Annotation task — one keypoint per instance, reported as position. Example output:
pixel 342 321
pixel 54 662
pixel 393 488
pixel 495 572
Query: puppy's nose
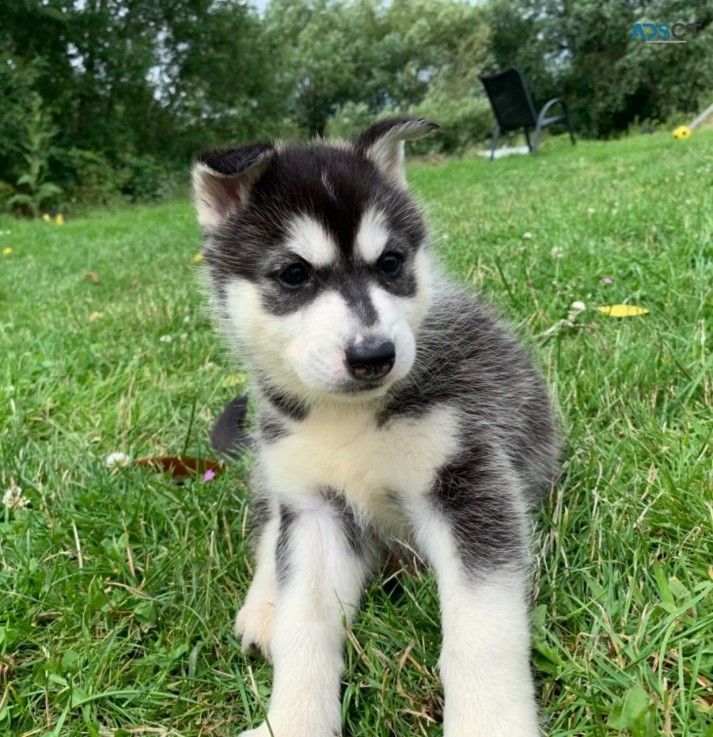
pixel 371 359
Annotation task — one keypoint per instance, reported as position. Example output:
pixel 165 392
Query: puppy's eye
pixel 390 263
pixel 294 275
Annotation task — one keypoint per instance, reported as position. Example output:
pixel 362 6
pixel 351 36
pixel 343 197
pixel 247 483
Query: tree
pixel 372 53
pixel 125 83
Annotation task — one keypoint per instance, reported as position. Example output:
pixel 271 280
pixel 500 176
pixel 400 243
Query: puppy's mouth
pixel 359 387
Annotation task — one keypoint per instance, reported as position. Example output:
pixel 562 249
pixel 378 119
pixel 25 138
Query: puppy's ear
pixel 222 180
pixel 383 143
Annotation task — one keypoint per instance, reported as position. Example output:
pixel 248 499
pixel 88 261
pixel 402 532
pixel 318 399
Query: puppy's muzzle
pixel 371 359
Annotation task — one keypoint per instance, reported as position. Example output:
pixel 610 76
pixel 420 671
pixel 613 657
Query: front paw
pixel 253 627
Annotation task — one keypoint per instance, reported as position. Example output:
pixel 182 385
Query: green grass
pixel 118 591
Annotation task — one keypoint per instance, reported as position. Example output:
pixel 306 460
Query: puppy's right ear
pixel 222 180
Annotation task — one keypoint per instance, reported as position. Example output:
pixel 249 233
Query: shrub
pixel 141 178
pixel 464 122
pixel 6 192
pixel 34 191
pixel 350 119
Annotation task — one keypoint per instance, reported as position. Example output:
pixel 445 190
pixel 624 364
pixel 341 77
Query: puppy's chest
pixel 347 452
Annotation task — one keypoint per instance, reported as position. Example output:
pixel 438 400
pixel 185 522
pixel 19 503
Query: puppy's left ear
pixel 383 143
pixel 222 180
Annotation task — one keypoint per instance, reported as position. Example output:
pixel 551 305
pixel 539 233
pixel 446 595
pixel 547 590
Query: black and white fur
pixel 393 409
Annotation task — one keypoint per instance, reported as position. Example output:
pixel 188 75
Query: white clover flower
pixel 117 460
pixel 527 236
pixel 13 498
pixel 165 339
pixel 556 252
pixel 577 307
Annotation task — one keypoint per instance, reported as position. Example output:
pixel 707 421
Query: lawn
pixel 118 590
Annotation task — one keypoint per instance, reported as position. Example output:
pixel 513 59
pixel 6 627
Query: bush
pixel 6 192
pixel 350 119
pixel 464 122
pixel 141 178
pixel 34 189
pixel 91 178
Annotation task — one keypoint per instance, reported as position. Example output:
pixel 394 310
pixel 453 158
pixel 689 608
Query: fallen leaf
pixel 180 466
pixel 622 310
pixel 93 277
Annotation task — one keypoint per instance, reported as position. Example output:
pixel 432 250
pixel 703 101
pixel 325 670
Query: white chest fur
pixel 342 448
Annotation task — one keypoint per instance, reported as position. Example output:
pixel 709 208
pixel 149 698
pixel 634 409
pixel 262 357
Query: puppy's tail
pixel 229 436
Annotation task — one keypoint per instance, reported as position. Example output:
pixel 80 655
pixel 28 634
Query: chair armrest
pixel 551 103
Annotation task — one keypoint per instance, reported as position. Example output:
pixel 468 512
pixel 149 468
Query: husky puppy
pixel 393 409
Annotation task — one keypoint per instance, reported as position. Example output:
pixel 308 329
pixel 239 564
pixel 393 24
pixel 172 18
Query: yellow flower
pixel 6 251
pixel 198 257
pixel 46 217
pixel 683 131
pixel 623 310
pixel 59 219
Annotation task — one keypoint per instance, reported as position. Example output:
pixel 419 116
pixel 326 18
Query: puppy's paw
pixel 253 626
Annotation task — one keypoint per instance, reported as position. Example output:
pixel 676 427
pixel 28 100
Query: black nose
pixel 371 360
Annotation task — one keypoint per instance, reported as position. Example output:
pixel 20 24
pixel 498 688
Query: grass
pixel 118 591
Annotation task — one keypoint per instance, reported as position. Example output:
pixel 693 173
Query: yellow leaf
pixel 46 217
pixel 622 310
pixel 198 257
pixel 6 251
pixel 59 219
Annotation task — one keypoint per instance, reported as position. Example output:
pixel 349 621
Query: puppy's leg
pixel 473 531
pixel 321 568
pixel 254 622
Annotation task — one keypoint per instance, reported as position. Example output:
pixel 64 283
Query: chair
pixel 513 108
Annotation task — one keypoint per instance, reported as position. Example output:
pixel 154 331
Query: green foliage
pixel 222 84
pixel 636 713
pixel 135 89
pixel 17 81
pixel 378 56
pixel 141 178
pixel 36 149
pixel 6 192
pixel 350 119
pixel 465 122
pixel 91 177
pixel 140 86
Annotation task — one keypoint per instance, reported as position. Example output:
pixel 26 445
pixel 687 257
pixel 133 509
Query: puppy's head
pixel 318 259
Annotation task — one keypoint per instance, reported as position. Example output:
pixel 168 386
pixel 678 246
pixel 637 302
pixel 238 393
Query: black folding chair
pixel 513 108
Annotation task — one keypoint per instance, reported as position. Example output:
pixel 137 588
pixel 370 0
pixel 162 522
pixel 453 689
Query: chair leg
pixel 536 139
pixel 527 138
pixel 496 136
